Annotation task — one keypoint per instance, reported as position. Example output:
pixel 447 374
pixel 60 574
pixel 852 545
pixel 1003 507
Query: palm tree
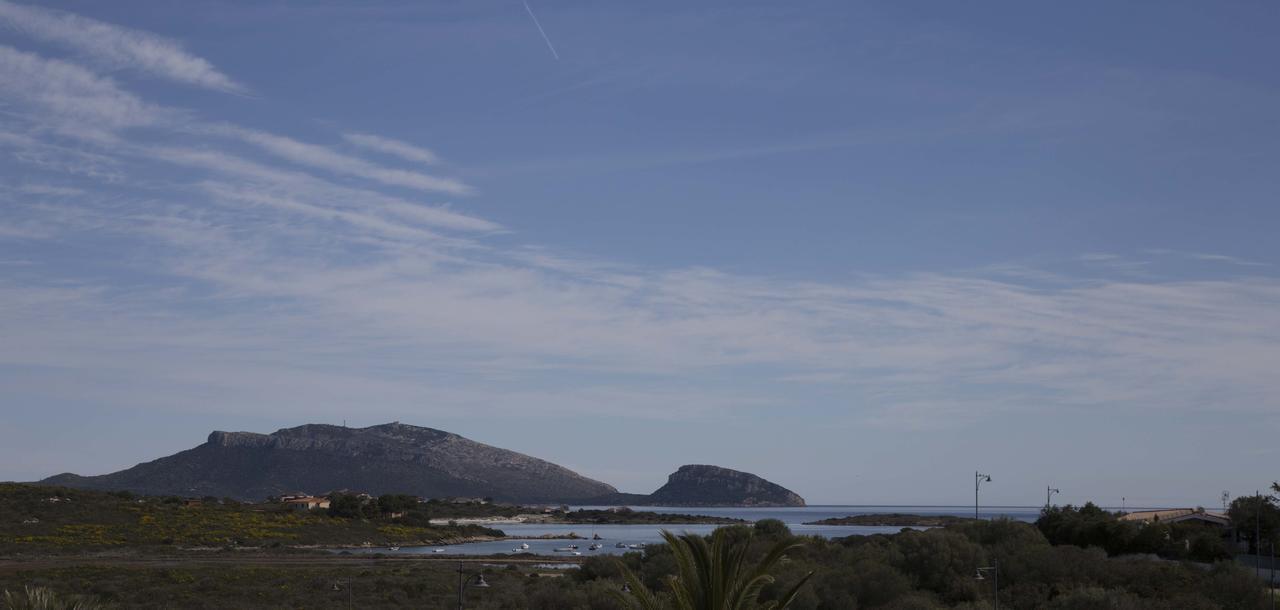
pixel 41 598
pixel 713 576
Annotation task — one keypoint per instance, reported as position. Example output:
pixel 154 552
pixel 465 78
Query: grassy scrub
pixel 913 569
pixel 38 519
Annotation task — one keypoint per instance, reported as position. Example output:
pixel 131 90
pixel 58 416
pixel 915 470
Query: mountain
pixel 702 485
pixel 316 458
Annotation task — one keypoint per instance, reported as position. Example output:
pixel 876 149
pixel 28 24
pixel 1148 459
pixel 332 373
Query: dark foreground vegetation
pixel 913 569
pixel 56 520
pixel 117 550
pixel 1090 526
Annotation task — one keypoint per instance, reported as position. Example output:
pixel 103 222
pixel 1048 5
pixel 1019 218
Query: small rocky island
pixel 703 485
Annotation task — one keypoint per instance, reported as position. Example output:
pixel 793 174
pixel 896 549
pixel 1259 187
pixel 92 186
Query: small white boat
pixel 576 553
pixel 595 547
pixel 636 546
pixel 438 551
pixel 620 545
pixel 563 549
pixel 393 548
pixel 524 546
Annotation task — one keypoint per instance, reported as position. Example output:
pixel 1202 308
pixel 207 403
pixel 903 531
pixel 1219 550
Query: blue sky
pixel 861 249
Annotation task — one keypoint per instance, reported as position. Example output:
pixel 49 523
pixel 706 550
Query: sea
pixel 631 536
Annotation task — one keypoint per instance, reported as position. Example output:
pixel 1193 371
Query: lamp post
pixel 1257 536
pixel 978 479
pixel 1048 493
pixel 1271 580
pixel 994 568
pixel 464 580
pixel 339 584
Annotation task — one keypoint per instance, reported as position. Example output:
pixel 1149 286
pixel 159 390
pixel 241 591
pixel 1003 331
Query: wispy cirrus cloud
pixel 404 150
pixel 327 159
pixel 116 46
pixel 272 262
pixel 275 182
pixel 70 98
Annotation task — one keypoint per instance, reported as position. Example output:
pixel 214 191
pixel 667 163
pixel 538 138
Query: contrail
pixel 541 31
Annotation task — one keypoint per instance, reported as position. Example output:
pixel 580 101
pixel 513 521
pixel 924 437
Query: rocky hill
pixel 316 458
pixel 702 485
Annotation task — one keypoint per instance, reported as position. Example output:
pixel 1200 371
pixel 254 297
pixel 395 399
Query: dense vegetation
pixel 352 506
pixel 1090 526
pixel 913 569
pixel 936 568
pixel 408 510
pixel 1258 518
pixel 42 519
pixel 1071 558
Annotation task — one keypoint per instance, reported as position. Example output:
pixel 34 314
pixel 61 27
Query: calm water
pixel 650 534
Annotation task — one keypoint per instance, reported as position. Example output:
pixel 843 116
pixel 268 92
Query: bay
pixel 628 535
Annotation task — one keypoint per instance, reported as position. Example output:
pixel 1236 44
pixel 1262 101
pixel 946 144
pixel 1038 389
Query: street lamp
pixel 1048 493
pixel 1271 580
pixel 994 568
pixel 339 585
pixel 978 479
pixel 464 581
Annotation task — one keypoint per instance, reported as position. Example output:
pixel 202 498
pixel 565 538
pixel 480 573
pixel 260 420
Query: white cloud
pixel 324 158
pixel 116 46
pixel 69 98
pixel 273 181
pixel 1223 258
pixel 401 318
pixel 49 189
pixel 404 150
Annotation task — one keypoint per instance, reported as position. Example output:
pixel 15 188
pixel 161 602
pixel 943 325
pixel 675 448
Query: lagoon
pixel 794 517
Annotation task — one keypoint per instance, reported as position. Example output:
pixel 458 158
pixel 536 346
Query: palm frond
pixel 715 574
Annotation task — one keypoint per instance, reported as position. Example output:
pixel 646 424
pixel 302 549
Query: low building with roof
pixel 1169 516
pixel 307 503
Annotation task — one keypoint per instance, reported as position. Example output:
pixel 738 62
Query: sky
pixel 860 249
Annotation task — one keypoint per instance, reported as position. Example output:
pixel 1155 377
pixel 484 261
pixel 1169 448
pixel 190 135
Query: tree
pixel 714 576
pixel 346 506
pixel 396 503
pixel 772 528
pixel 1250 513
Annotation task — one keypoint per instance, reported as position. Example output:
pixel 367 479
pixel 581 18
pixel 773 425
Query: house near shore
pixel 1180 515
pixel 1207 519
pixel 306 503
